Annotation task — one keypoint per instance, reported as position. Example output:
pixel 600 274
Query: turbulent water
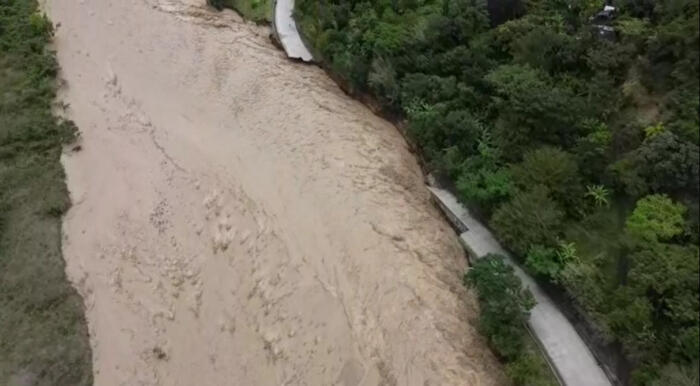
pixel 237 220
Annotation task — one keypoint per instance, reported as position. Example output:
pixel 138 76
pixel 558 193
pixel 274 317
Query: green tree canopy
pixel 531 109
pixel 555 169
pixel 529 218
pixel 656 218
pixel 663 163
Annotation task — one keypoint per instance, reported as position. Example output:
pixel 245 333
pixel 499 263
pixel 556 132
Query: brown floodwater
pixel 238 220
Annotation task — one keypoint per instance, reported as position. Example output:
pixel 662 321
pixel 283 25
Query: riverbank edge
pixel 605 352
pixel 372 103
pixel 45 338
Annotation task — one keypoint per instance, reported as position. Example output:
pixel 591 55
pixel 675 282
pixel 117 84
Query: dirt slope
pixel 238 220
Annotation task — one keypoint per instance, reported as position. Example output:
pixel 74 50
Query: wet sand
pixel 237 220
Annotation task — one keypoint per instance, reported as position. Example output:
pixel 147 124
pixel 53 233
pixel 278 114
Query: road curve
pixel 286 30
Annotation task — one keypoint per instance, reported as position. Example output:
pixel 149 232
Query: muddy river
pixel 238 220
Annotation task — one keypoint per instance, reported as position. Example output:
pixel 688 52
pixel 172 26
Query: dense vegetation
pixel 580 150
pixel 259 11
pixel 43 335
pixel 505 307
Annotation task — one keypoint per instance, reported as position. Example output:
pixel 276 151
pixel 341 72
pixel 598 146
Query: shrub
pixel 543 260
pixel 529 370
pixel 505 304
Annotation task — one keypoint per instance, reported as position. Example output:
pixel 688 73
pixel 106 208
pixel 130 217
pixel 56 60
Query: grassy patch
pixel 43 334
pixel 259 11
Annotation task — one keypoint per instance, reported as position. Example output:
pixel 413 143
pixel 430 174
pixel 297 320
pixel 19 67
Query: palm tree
pixel 567 252
pixel 599 193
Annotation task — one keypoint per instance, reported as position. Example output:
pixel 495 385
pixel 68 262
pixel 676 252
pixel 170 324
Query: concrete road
pixel 567 352
pixel 287 32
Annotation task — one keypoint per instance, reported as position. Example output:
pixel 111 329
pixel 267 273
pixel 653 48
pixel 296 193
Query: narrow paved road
pixel 287 32
pixel 567 352
pixel 238 220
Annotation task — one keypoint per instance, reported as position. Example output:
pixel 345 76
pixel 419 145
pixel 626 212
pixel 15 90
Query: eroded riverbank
pixel 238 220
